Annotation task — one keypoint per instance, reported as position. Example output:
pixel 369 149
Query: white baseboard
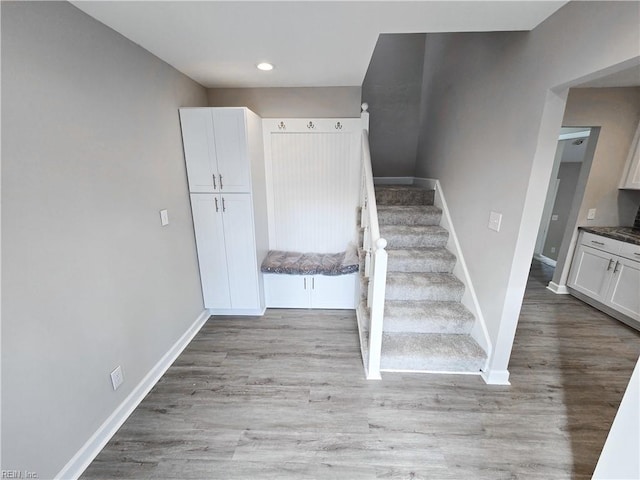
pixel 428 183
pixel 393 180
pixel 545 260
pixel 90 450
pixel 496 377
pixel 558 289
pixel 245 312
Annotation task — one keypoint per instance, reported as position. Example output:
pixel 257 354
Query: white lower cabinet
pixel 601 272
pixel 310 291
pixel 224 229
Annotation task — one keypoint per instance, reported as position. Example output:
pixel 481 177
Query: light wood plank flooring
pixel 284 397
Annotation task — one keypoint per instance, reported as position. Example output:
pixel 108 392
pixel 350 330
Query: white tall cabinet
pixel 225 168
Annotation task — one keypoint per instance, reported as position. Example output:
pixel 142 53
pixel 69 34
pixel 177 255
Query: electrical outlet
pixel 554 218
pixel 553 249
pixel 117 377
pixel 591 214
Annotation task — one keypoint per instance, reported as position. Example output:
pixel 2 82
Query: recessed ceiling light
pixel 265 66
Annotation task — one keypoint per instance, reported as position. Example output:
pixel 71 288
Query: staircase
pixel 425 327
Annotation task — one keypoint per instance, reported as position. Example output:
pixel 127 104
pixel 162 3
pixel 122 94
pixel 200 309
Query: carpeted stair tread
pixel 409 215
pixel 427 317
pixel 426 259
pixel 401 236
pixel 423 286
pixel 403 195
pixel 430 352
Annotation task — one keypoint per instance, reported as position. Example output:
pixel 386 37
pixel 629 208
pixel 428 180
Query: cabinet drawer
pixel 601 243
pixel 630 251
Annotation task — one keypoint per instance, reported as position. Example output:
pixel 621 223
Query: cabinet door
pixel 211 250
pixel 231 150
pixel 287 291
pixel 334 291
pixel 241 253
pixel 591 271
pixel 199 149
pixel 624 294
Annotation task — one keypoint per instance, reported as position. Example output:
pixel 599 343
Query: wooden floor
pixel 284 397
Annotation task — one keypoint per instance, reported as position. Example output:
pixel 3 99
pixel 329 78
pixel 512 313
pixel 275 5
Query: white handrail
pixel 375 262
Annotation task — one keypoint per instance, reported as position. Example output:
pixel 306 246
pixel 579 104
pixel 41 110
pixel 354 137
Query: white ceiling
pixel 311 43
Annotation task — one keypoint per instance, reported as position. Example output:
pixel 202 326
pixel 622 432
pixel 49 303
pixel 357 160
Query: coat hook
pixel 338 126
pixel 282 126
pixel 311 126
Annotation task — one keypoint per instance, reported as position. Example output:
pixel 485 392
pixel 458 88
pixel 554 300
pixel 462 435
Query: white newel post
pixel 379 281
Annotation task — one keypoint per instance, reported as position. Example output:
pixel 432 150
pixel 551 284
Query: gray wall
pixel 489 132
pixel 617 112
pixel 568 174
pixel 91 152
pixel 314 102
pixel 392 89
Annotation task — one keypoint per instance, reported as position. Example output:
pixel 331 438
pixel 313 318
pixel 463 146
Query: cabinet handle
pixel 636 253
pixel 224 207
pixel 610 263
pixel 313 283
pixel 615 270
pixel 305 283
pixel 216 200
pixel 597 243
pixel 214 182
pixel 221 186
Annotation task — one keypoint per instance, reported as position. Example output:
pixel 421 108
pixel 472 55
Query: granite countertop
pixel 624 234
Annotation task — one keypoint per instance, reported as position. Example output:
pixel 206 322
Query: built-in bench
pixel 311 280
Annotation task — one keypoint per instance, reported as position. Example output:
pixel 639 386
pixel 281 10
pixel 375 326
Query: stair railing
pixel 375 257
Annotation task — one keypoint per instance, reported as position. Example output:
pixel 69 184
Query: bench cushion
pixel 296 263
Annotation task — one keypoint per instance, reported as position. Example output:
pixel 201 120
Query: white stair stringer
pixel 470 301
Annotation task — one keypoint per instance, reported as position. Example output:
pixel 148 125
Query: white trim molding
pixel 546 260
pixel 558 289
pixel 393 180
pixel 469 299
pixel 496 377
pixel 90 450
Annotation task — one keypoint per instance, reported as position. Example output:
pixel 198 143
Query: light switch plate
pixel 117 377
pixel 495 219
pixel 164 217
pixel 591 214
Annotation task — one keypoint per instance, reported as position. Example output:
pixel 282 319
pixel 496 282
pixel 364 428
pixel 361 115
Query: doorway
pixel 563 192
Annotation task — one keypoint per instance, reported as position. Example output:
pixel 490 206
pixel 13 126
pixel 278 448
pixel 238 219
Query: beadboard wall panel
pixel 314 180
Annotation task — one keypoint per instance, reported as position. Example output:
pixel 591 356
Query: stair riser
pixel 445 293
pixel 409 218
pixel 435 364
pixel 417 240
pixel 400 197
pixel 417 265
pixel 426 325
